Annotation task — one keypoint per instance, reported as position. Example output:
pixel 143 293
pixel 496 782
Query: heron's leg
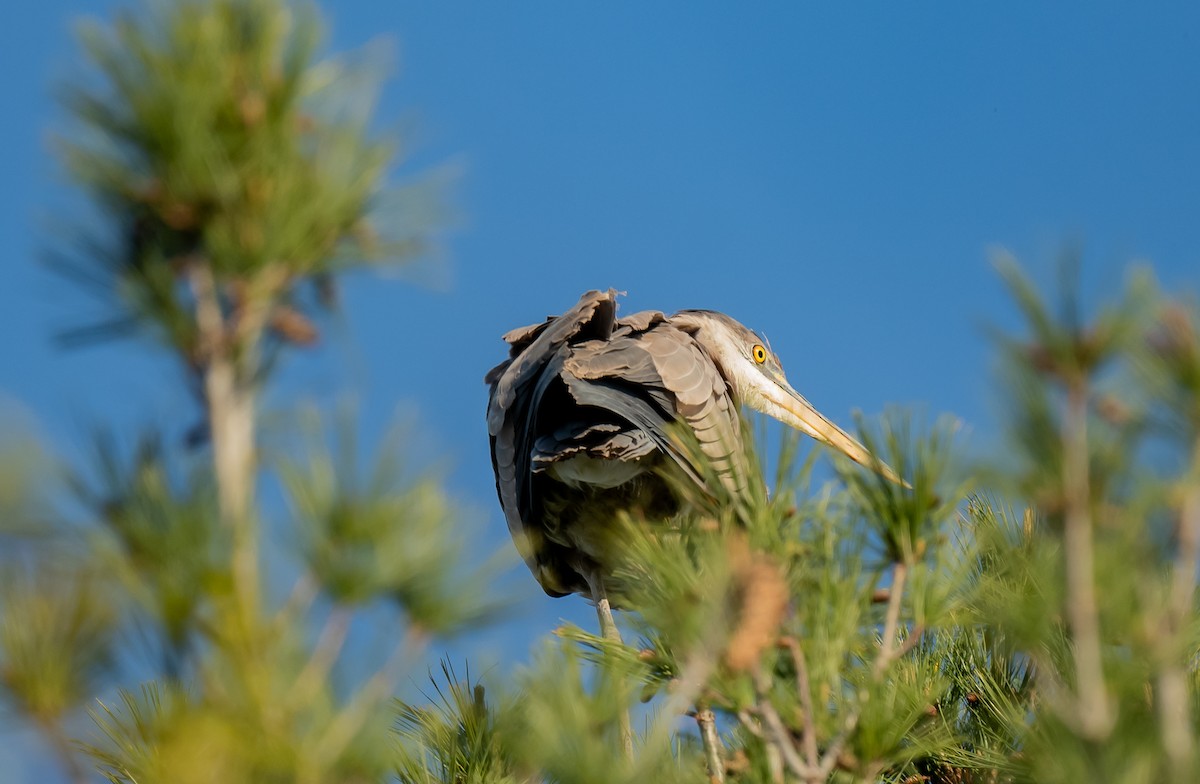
pixel 609 631
pixel 608 626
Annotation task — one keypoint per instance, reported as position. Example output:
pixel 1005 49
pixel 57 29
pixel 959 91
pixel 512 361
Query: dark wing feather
pixel 592 317
pixel 537 355
pixel 604 440
pixel 587 383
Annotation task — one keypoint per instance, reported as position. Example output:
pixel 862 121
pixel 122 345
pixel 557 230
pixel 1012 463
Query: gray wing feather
pixel 629 380
pixel 702 398
pixel 538 353
pixel 626 403
pixel 591 317
pixel 537 356
pixel 664 365
pixel 605 441
pixel 642 320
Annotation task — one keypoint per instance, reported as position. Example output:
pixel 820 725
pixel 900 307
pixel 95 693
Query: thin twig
pixel 804 689
pixel 818 767
pixel 1051 688
pixel 254 309
pixel 1174 704
pixel 693 677
pixel 66 753
pixel 687 687
pixel 1174 715
pixel 782 739
pixel 351 718
pixel 891 620
pixel 830 759
pixel 775 763
pixel 706 720
pixel 754 727
pixel 301 597
pixel 911 641
pixel 325 653
pixel 890 649
pixel 751 725
pixel 872 770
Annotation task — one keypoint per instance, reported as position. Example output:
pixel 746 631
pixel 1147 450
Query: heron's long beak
pixel 789 406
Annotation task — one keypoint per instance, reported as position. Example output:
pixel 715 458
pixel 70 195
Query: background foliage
pixel 1027 618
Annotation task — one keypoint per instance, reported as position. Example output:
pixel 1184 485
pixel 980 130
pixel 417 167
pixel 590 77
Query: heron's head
pixel 756 378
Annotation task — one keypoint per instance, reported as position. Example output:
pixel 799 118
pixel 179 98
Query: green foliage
pixel 166 734
pixel 211 131
pixel 56 639
pixel 236 170
pixel 24 513
pixel 386 534
pixel 156 537
pixel 455 739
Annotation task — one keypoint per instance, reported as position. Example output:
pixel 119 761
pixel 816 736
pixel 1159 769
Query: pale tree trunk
pixel 229 398
pixel 1093 715
pixel 1174 703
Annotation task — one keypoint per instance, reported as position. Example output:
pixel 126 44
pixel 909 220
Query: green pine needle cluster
pixel 1028 617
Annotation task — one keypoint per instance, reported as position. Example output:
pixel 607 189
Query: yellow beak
pixel 789 406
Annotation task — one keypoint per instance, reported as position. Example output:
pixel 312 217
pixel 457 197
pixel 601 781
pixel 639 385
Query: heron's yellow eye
pixel 759 353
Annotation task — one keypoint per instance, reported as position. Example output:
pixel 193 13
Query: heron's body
pixel 580 420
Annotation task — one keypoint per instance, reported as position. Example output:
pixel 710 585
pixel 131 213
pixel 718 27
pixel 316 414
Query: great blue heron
pixel 580 414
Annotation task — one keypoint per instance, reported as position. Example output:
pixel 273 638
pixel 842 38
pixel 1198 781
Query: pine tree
pixel 234 176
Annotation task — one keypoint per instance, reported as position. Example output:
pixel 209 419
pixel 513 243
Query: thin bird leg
pixel 608 626
pixel 609 631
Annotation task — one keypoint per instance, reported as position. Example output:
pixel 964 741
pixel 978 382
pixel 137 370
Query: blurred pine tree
pixel 237 175
pixel 1029 619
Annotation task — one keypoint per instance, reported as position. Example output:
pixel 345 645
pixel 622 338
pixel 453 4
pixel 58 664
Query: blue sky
pixel 832 175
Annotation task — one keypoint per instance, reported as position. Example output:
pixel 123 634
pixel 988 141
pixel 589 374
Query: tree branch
pixel 1174 703
pixel 830 759
pixel 888 646
pixel 804 689
pixel 782 739
pixel 325 652
pixel 707 722
pixel 355 713
pixel 66 753
pixel 301 597
pixel 230 402
pixel 774 761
